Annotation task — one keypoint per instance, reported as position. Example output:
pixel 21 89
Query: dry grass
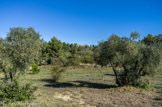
pixel 86 88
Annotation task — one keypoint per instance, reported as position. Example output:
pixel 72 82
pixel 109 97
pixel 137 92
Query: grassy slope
pixel 86 88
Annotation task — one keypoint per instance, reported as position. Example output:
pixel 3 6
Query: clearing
pixel 84 87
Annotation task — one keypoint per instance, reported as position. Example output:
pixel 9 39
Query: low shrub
pixel 142 84
pixel 73 60
pixel 87 59
pixel 11 92
pixel 159 98
pixel 35 68
pixel 56 73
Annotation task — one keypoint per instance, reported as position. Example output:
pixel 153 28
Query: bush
pixel 159 98
pixel 56 73
pixel 73 60
pixel 142 84
pixel 87 59
pixel 63 57
pixel 57 61
pixel 11 92
pixel 35 68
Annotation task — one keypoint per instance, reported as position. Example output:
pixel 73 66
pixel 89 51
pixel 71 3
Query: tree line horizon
pixel 148 36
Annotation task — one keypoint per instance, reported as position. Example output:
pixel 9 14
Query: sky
pixel 82 21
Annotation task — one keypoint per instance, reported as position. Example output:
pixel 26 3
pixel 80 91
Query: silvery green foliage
pixel 22 46
pixel 129 59
pixel 18 50
pixel 5 62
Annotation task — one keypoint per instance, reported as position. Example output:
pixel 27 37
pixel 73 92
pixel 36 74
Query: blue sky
pixel 82 21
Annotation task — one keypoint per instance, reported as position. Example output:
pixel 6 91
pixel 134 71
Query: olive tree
pixel 18 50
pixel 5 62
pixel 129 59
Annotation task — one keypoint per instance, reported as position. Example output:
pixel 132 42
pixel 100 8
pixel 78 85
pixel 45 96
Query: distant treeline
pixel 67 54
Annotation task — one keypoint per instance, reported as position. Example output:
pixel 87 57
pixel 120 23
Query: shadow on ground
pixel 109 74
pixel 77 84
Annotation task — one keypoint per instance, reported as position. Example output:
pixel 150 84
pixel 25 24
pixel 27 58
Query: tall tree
pixel 53 48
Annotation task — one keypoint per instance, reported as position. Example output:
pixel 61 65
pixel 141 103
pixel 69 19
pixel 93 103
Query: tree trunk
pixel 115 72
pixel 6 77
pixel 11 76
